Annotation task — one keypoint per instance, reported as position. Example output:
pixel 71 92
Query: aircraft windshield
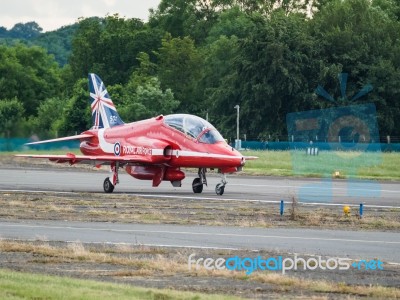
pixel 194 127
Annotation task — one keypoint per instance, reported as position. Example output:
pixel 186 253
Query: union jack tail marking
pixel 104 113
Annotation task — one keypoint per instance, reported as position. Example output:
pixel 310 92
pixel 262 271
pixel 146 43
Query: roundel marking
pixel 117 149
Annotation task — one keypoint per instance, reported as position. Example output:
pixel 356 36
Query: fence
pixel 274 146
pixel 18 144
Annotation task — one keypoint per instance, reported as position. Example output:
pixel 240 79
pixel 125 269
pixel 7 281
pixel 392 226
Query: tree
pixel 231 22
pixel 142 97
pixel 50 113
pixel 148 101
pixel 109 47
pixel 76 116
pixel 270 76
pixel 11 116
pixel 183 18
pixel 25 30
pixel 179 68
pixel 85 47
pixel 29 74
pixel 219 80
pixel 3 32
pixel 362 39
pixel 57 42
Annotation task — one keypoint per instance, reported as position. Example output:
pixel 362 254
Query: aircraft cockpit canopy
pixel 194 127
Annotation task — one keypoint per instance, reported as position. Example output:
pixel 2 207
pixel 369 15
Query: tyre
pixel 108 186
pixel 197 186
pixel 220 189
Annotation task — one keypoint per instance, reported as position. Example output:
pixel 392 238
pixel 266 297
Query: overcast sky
pixel 52 14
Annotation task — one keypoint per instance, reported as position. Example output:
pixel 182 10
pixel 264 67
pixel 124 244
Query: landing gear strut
pixel 198 182
pixel 220 187
pixel 109 184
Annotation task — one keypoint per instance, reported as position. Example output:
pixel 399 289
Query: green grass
pixel 276 163
pixel 364 165
pixel 16 285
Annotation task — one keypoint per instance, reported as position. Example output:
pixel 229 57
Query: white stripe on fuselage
pixel 109 148
pixel 104 145
pixel 184 153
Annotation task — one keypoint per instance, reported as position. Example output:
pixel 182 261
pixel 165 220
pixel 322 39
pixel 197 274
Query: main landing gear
pixel 198 183
pixel 109 184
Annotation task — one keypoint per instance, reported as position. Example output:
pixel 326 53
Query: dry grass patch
pixel 147 262
pixel 123 209
pixel 328 287
pixel 59 209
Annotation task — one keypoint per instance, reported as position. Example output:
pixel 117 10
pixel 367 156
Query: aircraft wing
pixel 91 159
pixel 68 138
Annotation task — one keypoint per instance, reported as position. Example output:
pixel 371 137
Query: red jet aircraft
pixel 154 149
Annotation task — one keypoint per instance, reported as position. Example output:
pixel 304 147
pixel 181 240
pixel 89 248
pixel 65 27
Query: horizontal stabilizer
pixel 68 138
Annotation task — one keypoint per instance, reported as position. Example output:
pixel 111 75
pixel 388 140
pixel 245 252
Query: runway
pixel 338 243
pixel 333 243
pixel 239 188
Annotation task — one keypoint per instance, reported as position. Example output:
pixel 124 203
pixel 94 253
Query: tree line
pixel 204 57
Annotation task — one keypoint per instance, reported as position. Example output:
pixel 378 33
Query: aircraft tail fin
pixel 104 113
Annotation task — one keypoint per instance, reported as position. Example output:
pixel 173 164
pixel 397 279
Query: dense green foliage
pixel 204 57
pixel 56 42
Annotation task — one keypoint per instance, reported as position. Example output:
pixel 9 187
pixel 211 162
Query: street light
pixel 237 144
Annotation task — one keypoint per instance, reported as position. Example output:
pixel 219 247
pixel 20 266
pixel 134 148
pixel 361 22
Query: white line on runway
pixel 200 233
pixel 208 198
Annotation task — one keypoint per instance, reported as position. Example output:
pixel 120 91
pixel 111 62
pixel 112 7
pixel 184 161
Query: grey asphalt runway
pixel 241 188
pixel 338 243
pixel 345 244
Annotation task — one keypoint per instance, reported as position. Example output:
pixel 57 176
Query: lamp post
pixel 237 144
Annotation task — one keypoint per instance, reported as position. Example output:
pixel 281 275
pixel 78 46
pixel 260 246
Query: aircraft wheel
pixel 197 186
pixel 220 189
pixel 108 186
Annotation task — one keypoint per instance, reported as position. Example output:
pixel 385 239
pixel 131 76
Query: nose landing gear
pixel 200 181
pixel 220 187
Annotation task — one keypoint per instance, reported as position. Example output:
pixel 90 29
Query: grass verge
pixel 134 209
pixel 16 285
pixel 362 165
pixel 125 262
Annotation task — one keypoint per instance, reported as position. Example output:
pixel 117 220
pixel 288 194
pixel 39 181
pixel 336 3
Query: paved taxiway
pixel 241 188
pixel 346 244
pixel 353 244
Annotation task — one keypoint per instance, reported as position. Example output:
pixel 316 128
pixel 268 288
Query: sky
pixel 53 14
